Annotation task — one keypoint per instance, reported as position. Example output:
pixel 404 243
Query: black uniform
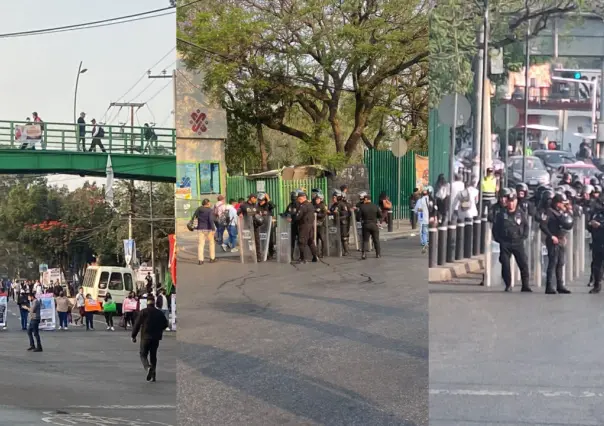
pixel 494 210
pixel 321 211
pixel 306 230
pixel 151 322
pixel 369 214
pixel 551 226
pixel 597 260
pixel 291 212
pixel 343 209
pixel 268 211
pixel 252 211
pixel 527 206
pixel 510 230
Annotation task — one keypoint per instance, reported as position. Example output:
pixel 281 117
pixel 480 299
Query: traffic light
pixel 577 75
pixel 572 74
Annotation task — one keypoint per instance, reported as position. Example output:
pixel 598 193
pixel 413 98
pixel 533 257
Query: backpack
pixel 101 132
pixel 465 203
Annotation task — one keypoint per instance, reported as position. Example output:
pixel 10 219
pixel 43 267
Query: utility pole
pixel 130 105
pixel 152 230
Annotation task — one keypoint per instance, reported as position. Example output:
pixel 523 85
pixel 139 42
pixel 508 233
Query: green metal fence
pixel 65 137
pixel 383 172
pixel 438 146
pixel 277 188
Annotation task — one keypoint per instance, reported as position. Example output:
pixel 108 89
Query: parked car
pixel 554 159
pixel 583 170
pixel 536 174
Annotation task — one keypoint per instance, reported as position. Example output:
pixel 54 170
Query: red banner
pixel 172 240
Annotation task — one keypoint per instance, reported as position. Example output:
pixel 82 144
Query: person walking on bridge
pixel 97 133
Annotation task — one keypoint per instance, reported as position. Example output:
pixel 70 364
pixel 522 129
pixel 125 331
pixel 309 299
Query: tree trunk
pixel 262 147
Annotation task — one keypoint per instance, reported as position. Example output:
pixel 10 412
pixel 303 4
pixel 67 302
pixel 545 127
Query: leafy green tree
pixel 269 62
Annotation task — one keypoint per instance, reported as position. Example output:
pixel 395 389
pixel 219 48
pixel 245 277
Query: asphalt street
pixel 83 378
pixel 511 359
pixel 342 342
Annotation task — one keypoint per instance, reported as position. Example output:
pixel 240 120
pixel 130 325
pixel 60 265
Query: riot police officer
pixel 596 227
pixel 545 202
pixel 556 223
pixel 251 210
pixel 341 207
pixel 523 201
pixel 321 213
pixel 369 214
pixel 267 209
pixel 306 227
pixel 501 204
pixel 510 230
pixel 291 213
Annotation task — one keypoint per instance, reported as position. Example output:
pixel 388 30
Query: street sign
pixel 399 148
pixel 446 110
pixel 500 117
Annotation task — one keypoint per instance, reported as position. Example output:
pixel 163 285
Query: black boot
pixel 526 289
pixel 508 288
pixel 597 288
pixel 563 290
pixel 550 290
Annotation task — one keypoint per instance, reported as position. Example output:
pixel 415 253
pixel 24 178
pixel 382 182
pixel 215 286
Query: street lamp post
pixel 75 95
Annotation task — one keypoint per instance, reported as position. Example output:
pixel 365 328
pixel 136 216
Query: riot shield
pixel 334 239
pixel 356 231
pixel 247 241
pixel 264 232
pixel 284 240
pixel 321 237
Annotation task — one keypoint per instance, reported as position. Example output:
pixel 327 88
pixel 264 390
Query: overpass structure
pixel 140 153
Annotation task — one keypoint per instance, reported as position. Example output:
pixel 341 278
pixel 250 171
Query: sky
pixel 39 72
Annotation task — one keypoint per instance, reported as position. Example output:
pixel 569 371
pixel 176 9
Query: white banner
pixel 47 312
pixel 109 184
pixel 142 303
pixel 3 310
pixel 129 251
pixel 173 313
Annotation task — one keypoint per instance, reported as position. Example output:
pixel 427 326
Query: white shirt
pixel 456 188
pixel 232 214
pixel 421 209
pixel 473 210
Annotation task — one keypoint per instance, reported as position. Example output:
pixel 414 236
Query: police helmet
pixel 588 189
pixel 261 196
pixel 594 181
pixel 513 195
pixel 571 192
pixel 566 221
pixel 362 195
pixel 320 195
pixel 546 197
pixel 337 193
pixel 504 192
pixel 598 189
pixel 522 187
pixel 301 193
pixel 566 177
pixel 559 197
pixel 577 184
pixel 429 189
pixel 292 195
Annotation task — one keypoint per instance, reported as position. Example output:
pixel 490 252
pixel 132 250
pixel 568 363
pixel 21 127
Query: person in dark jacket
pixel 82 131
pixel 369 214
pixel 306 227
pixel 151 323
pixel 206 226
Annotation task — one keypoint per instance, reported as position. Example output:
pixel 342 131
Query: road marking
pixel 499 393
pixel 124 407
pixel 89 419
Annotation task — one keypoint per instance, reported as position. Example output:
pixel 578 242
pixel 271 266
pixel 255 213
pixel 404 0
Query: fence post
pixel 468 240
pixel 451 234
pixel 476 235
pixel 459 240
pixel 442 243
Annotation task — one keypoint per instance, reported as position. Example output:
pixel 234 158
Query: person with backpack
pixel 456 188
pixel 442 192
pixel 97 134
pixel 466 201
pixel 220 221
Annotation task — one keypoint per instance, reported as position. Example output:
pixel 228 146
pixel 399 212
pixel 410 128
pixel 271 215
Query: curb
pixel 455 270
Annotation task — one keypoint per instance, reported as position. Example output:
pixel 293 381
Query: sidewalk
pixel 457 269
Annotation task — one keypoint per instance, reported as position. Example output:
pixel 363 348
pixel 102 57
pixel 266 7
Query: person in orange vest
pixel 90 307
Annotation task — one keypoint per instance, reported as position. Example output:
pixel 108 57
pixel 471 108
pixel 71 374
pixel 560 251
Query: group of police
pixel 308 221
pixel 555 209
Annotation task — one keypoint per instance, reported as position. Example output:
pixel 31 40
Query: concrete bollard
pixel 442 244
pixel 432 244
pixel 459 240
pixel 468 238
pixel 476 234
pixel 451 234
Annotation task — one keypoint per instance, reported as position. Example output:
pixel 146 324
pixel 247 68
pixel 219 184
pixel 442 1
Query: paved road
pixel 83 378
pixel 515 359
pixel 338 343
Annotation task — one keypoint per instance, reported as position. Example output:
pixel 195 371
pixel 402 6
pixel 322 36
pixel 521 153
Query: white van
pixel 116 280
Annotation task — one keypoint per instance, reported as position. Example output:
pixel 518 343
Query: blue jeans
pixel 232 240
pixel 62 319
pixel 24 313
pixel 423 235
pixel 219 236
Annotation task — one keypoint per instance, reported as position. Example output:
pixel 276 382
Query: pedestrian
pixel 23 303
pixel 205 231
pixel 81 132
pixel 129 307
pixel 456 188
pixel 97 134
pixel 415 195
pixel 385 206
pixel 220 218
pixel 556 223
pixel 422 210
pixel 489 189
pixel 151 324
pixel 510 230
pixel 90 307
pixel 231 227
pixel 33 328
pixel 305 218
pixel 369 215
pixel 80 306
pixel 596 228
pixel 109 310
pixel 162 304
pixel 63 306
pixel 149 283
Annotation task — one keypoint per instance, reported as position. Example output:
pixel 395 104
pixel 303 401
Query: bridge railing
pixel 66 137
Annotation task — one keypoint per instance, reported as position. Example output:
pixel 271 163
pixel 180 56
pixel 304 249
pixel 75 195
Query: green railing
pixel 278 189
pixel 66 137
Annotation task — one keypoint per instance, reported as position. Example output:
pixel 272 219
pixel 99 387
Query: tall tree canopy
pixel 334 74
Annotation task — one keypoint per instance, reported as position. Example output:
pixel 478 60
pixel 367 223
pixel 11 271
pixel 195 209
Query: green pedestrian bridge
pixel 139 153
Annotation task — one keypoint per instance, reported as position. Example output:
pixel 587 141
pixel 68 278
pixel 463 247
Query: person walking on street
pixel 151 323
pixel 206 228
pixel 63 307
pixel 109 310
pixel 33 328
pixel 422 210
